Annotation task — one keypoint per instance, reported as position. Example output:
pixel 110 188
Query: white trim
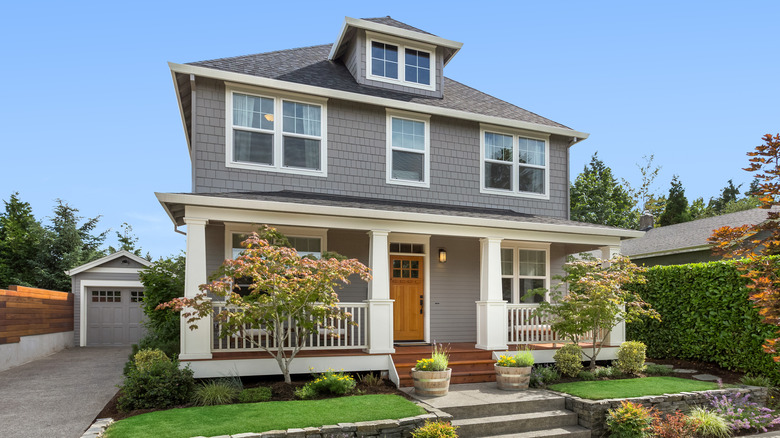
pixel 116 270
pixel 516 135
pixel 278 131
pixel 95 263
pixel 181 111
pixel 83 304
pixel 309 215
pixel 402 45
pixel 425 240
pixel 240 228
pixel 301 365
pixel 371 100
pixel 426 120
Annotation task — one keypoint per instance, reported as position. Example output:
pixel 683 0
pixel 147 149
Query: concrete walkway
pixel 59 395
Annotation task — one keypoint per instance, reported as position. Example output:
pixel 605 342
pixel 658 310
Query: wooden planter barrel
pixel 513 378
pixel 431 383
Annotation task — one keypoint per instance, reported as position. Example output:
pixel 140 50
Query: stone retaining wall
pixel 593 413
pixel 380 428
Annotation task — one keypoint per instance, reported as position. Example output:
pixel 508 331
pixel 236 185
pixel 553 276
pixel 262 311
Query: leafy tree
pixel 676 210
pixel 643 195
pixel 20 243
pixel 163 281
pixel 597 197
pixel 290 296
pixel 128 242
pixel 596 300
pixel 67 244
pixel 749 242
pixel 698 209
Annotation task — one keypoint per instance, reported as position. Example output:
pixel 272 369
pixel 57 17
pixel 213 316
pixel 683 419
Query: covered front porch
pixel 437 278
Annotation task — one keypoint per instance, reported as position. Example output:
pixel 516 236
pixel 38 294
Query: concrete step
pixel 557 432
pixel 506 408
pixel 514 423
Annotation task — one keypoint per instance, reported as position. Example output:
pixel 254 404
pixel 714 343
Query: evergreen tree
pixel 728 194
pixel 20 243
pixel 676 210
pixel 597 198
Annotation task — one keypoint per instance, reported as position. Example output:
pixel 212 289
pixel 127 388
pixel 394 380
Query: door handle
pixel 421 304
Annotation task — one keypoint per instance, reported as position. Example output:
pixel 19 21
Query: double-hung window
pixel 276 133
pixel 522 271
pixel 408 149
pixel 400 62
pixel 515 164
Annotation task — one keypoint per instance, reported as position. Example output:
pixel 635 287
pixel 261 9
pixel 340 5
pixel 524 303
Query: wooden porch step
pixel 477 376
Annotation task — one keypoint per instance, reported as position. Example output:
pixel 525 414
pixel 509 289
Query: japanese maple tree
pixel 750 243
pixel 290 296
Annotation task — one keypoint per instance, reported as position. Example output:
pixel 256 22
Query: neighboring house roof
pixel 687 236
pixel 106 259
pixel 310 66
pixel 173 203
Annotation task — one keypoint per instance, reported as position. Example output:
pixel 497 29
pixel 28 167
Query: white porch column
pixel 618 335
pixel 195 344
pixel 380 306
pixel 491 307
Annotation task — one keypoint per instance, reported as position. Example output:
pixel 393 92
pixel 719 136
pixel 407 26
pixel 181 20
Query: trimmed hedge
pixel 705 315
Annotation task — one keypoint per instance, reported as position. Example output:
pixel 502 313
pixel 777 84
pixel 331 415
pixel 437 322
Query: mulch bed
pixel 280 391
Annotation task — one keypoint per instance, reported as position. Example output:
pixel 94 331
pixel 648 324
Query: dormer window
pixel 396 61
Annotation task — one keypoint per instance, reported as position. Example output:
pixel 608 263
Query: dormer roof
pixel 389 26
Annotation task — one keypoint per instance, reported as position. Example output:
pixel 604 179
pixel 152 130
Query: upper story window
pixel 276 133
pixel 523 270
pixel 408 149
pixel 514 164
pixel 399 62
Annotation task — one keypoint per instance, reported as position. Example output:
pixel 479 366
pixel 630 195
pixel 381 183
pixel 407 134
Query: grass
pixel 603 389
pixel 261 417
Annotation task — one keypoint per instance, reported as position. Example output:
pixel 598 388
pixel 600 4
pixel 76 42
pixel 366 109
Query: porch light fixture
pixel 442 255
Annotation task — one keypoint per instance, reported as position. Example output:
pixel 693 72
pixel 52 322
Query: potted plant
pixel 431 375
pixel 513 372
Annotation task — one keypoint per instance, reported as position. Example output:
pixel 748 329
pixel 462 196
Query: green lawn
pixel 260 417
pixel 602 389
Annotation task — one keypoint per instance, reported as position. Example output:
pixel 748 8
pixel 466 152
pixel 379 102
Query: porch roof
pixel 333 205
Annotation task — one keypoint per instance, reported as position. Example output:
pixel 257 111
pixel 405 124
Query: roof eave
pixel 381 101
pixel 106 259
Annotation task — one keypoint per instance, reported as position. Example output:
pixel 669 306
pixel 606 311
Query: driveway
pixel 59 395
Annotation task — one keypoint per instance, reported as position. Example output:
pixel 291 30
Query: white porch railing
pixel 526 328
pixel 344 335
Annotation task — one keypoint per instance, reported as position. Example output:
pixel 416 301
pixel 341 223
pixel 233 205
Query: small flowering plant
pixel 630 420
pixel 329 382
pixel 523 358
pixel 439 360
pixel 740 413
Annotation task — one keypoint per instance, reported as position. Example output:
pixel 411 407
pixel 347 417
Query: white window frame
pixel 416 117
pixel 402 45
pixel 238 228
pixel 516 277
pixel 278 97
pixel 516 134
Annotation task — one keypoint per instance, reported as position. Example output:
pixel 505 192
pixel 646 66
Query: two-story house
pixel 457 201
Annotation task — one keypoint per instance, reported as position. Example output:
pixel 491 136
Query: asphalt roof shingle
pixel 389 21
pixel 310 66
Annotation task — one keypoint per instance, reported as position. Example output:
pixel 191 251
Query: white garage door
pixel 114 316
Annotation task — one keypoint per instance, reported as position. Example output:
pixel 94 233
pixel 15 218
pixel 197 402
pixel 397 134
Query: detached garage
pixel 107 300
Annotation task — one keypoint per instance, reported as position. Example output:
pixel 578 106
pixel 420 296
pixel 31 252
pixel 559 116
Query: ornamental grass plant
pixel 523 358
pixel 439 360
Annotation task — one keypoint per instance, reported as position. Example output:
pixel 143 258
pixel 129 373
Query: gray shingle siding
pixel 356 160
pixel 454 290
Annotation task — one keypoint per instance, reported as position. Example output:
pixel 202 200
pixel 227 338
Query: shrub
pixel 631 357
pixel 586 375
pixel 607 372
pixel 215 392
pixel 329 382
pixel 718 323
pixel 523 358
pixel 435 429
pixel 677 425
pixel 163 281
pixel 657 370
pixel 629 421
pixel 439 360
pixel 162 385
pixel 710 424
pixel 754 380
pixel 145 359
pixel 543 375
pixel 741 414
pixel 255 395
pixel 371 379
pixel 568 360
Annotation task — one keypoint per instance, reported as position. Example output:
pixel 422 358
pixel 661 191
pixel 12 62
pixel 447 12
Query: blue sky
pixel 89 112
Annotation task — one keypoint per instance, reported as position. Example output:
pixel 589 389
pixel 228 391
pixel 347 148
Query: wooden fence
pixel 26 311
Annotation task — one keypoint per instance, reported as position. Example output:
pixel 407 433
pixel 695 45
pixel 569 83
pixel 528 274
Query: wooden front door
pixel 407 289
